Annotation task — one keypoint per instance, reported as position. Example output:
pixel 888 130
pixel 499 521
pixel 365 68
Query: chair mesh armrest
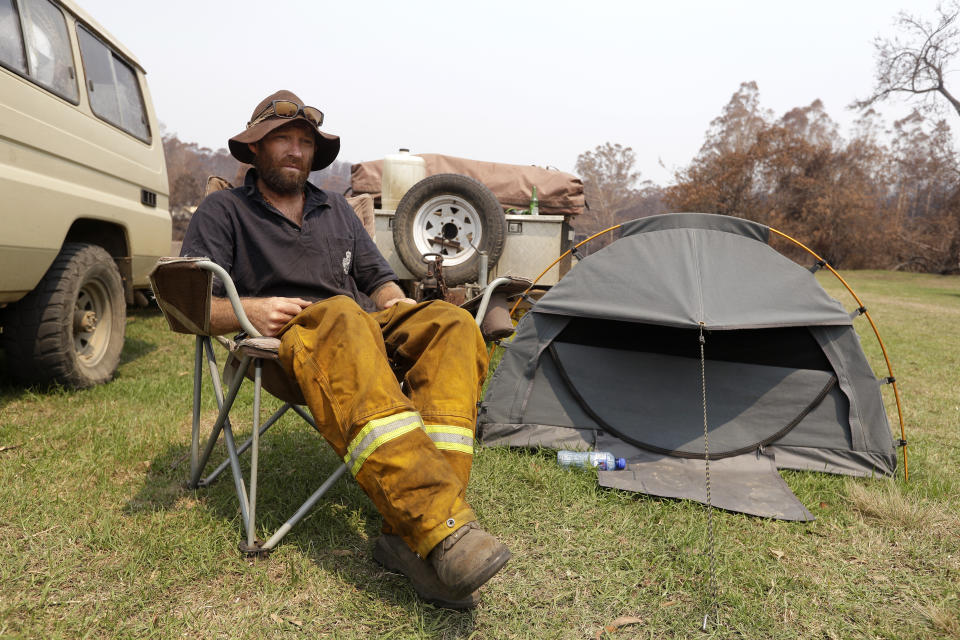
pixel 184 292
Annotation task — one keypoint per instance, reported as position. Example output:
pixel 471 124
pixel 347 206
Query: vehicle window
pixel 49 59
pixel 131 103
pixel 99 73
pixel 112 86
pixel 11 41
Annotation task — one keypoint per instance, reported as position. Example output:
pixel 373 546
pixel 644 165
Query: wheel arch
pixel 113 238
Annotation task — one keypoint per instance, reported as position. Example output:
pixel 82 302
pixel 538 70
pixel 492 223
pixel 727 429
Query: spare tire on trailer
pixel 455 216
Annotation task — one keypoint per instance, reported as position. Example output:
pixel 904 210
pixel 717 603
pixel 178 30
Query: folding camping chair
pixel 183 289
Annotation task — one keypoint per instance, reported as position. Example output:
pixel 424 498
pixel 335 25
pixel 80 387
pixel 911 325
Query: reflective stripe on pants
pixel 410 452
pixel 450 438
pixel 377 432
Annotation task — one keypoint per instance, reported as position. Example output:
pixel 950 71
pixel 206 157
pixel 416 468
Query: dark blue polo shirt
pixel 267 254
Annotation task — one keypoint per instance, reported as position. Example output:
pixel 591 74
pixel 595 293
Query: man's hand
pixel 267 315
pixel 392 301
pixel 389 294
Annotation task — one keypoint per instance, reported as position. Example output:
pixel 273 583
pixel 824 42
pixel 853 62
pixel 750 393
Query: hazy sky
pixel 535 82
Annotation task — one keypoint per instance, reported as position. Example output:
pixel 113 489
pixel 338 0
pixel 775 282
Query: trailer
pixel 472 221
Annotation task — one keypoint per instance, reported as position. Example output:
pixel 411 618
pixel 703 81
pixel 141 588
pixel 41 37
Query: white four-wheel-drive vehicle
pixel 83 192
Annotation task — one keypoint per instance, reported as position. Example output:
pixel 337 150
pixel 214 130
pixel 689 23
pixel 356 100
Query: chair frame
pixel 198 462
pixel 204 350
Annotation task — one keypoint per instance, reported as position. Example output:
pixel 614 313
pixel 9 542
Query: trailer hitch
pixel 432 286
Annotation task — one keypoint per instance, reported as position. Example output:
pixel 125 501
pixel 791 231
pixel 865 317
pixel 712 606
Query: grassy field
pixel 99 537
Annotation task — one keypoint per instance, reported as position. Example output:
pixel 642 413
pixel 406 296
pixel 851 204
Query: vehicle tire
pixel 455 216
pixel 70 328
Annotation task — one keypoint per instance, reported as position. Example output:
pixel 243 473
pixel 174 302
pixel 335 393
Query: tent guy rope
pixel 712 604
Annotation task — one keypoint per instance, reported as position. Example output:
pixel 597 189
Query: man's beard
pixel 278 179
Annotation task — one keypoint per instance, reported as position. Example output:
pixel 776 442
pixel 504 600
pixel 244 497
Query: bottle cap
pixel 621 464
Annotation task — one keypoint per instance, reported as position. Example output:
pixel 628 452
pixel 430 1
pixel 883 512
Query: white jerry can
pixel 400 172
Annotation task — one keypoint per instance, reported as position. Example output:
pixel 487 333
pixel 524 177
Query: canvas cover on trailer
pixel 610 358
pixel 559 193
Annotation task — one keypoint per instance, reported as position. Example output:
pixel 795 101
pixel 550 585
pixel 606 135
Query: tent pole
pixel 544 272
pixel 876 332
pixel 562 256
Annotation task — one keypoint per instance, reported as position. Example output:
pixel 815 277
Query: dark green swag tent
pixel 610 358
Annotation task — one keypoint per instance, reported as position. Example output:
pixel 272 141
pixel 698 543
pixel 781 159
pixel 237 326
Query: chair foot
pixel 255 551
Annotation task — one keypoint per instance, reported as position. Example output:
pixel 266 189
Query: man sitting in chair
pixel 309 273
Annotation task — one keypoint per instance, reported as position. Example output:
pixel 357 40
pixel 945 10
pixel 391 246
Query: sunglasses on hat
pixel 288 109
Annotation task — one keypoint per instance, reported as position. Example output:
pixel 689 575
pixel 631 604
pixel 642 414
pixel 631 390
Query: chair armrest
pixel 487 294
pixel 232 295
pixel 492 308
pixel 182 287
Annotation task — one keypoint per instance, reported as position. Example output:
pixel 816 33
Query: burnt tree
pixel 915 62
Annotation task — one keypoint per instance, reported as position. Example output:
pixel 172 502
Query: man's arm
pixel 267 315
pixel 389 294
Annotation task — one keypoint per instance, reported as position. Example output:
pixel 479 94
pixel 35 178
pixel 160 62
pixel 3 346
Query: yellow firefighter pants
pixel 409 450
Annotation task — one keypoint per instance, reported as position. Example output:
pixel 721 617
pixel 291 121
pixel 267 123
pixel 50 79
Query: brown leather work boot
pixel 467 558
pixel 394 555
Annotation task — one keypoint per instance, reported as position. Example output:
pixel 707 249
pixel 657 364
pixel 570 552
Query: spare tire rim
pixel 450 226
pixel 92 323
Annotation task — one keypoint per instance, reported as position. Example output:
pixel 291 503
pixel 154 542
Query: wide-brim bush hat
pixel 263 121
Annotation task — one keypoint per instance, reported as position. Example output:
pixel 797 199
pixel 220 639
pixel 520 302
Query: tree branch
pixel 916 66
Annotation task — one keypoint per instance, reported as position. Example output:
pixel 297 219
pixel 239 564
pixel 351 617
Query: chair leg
pixel 195 430
pixel 197 469
pixel 224 424
pixel 246 445
pixel 237 474
pixel 248 503
pixel 254 453
pixel 304 509
pixel 215 379
pixel 304 414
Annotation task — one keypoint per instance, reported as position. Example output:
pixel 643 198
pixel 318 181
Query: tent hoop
pixel 571 250
pixel 876 332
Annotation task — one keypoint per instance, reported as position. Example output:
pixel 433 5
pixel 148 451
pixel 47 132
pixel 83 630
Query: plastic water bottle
pixel 602 460
pixel 534 203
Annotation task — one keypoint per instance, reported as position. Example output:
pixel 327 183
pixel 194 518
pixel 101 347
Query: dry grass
pixel 887 505
pixel 100 538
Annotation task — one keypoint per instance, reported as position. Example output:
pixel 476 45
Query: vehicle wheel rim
pixel 92 323
pixel 450 226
